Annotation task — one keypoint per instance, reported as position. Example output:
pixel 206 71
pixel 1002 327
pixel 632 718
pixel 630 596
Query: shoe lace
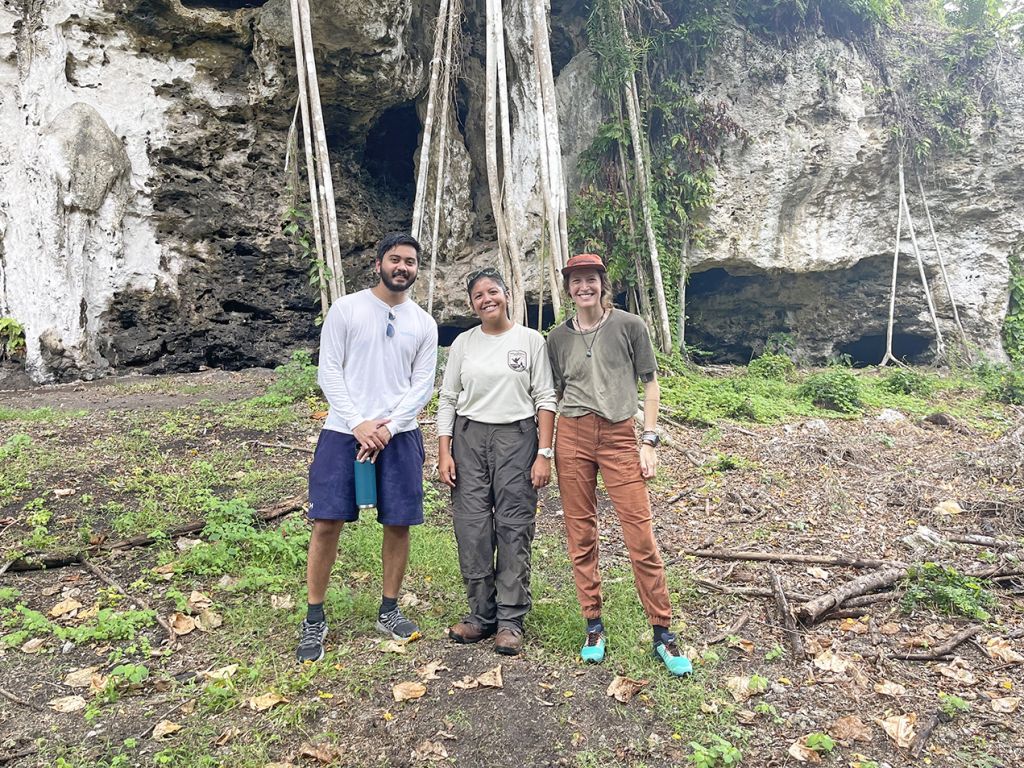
pixel 593 638
pixel 310 633
pixel 670 645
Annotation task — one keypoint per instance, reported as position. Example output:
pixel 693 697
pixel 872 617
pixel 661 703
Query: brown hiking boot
pixel 509 641
pixel 466 632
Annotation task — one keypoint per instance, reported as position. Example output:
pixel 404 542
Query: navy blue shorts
pixel 332 487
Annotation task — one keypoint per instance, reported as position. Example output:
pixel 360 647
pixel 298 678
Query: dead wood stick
pixel 18 755
pixel 164 716
pixel 926 733
pixel 749 591
pixel 734 629
pixel 862 600
pixel 813 610
pixel 981 541
pixel 100 574
pixel 299 448
pixel 5 566
pixel 845 613
pixel 941 650
pixel 788 557
pixel 18 700
pixel 786 614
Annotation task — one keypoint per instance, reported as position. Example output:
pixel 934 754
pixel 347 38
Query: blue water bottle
pixel 366 484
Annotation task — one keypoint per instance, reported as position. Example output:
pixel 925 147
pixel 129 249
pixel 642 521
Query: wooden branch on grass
pixel 981 541
pixel 917 746
pixel 102 575
pixel 786 614
pixel 941 650
pixel 787 557
pixel 813 610
pixel 18 700
pixel 734 629
pixel 300 448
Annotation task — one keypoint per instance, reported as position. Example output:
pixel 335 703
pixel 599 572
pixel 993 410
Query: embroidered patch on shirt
pixel 517 360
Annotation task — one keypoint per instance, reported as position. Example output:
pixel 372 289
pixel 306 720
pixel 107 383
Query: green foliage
pixel 771 366
pixel 946 590
pixel 907 381
pixel 776 653
pixel 1006 385
pixel 836 389
pixel 296 379
pixel 1013 323
pixel 108 625
pixel 842 18
pixel 953 705
pixel 820 742
pixel 719 753
pixel 12 338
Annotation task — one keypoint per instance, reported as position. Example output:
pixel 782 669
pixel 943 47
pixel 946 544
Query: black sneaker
pixel 311 641
pixel 393 623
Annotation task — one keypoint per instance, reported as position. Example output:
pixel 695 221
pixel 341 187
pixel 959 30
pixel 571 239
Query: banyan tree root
pixel 813 610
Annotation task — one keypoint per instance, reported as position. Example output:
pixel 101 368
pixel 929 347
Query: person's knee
pixel 326 529
pixel 396 532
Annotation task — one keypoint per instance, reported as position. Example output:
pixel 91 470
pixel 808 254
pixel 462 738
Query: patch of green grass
pixel 45 414
pixel 266 413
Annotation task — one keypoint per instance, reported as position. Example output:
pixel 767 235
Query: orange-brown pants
pixel 583 446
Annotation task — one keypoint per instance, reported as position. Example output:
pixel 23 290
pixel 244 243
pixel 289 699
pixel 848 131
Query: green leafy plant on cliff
pixel 1013 324
pixel 12 338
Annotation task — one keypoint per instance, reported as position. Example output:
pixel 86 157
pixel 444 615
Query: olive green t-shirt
pixel 604 383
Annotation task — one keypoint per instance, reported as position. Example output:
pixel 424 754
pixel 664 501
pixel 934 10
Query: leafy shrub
pixel 720 753
pixel 296 379
pixel 12 338
pixel 836 389
pixel 1007 386
pixel 907 381
pixel 771 366
pixel 946 590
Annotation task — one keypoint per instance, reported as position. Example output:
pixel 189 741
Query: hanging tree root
pixel 812 611
pixel 786 614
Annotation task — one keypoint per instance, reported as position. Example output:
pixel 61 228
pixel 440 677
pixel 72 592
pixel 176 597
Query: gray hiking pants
pixel 495 506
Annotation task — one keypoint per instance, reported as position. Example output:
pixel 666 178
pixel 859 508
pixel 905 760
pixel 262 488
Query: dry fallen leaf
pixel 407 691
pixel 229 734
pixel 197 602
pixel 67 703
pixel 818 573
pixel 948 508
pixel 850 728
pixel 181 624
pixel 80 678
pixel 282 602
pixel 165 728
pixel 1000 649
pixel 60 493
pixel 741 689
pixel 889 688
pixel 64 607
pixel 208 620
pixel 393 646
pixel 1005 705
pixel 890 628
pixel 831 662
pixel 466 683
pixel 34 645
pixel 165 568
pixel 900 728
pixel 265 701
pixel 97 683
pixel 741 644
pixel 429 671
pixel 409 600
pixel 800 752
pixel 957 670
pixel 279 765
pixel 491 678
pixel 623 689
pixel 430 750
pixel 854 626
pixel 220 674
pixel 324 753
pixel 184 544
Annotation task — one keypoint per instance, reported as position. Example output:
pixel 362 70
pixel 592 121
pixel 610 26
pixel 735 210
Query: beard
pixel 391 285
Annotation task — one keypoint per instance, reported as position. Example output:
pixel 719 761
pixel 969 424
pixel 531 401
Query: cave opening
pixel 869 350
pixel 223 5
pixel 389 155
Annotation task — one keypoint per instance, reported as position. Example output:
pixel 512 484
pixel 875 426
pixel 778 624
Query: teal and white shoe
pixel 592 651
pixel 673 658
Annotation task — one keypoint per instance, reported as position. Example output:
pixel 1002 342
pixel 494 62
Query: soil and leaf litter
pixel 848 582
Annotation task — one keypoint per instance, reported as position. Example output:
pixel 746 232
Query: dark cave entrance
pixel 390 152
pixel 223 5
pixel 869 350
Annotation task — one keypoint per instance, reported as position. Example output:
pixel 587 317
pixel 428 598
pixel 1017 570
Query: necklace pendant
pixel 589 353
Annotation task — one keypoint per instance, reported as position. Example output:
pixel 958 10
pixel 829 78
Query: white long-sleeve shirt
pixel 495 379
pixel 365 374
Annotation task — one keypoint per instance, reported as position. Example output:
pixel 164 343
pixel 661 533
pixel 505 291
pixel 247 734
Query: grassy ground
pixel 759 458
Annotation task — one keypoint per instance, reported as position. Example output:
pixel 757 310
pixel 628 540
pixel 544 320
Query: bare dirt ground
pixel 86 467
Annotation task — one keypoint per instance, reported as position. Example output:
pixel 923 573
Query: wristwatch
pixel 547 453
pixel 650 438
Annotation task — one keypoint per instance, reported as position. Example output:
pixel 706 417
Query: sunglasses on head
pixel 485 272
pixel 390 330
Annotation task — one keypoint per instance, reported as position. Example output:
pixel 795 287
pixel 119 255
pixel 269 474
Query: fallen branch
pixel 749 591
pixel 18 755
pixel 862 600
pixel 300 448
pixel 100 574
pixel 981 541
pixel 163 717
pixel 941 650
pixel 786 557
pixel 734 629
pixel 813 610
pixel 18 700
pixel 786 614
pixel 917 746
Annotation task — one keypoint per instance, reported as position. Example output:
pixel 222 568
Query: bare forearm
pixel 652 399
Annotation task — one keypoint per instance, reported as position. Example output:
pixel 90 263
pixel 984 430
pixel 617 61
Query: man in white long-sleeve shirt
pixel 378 354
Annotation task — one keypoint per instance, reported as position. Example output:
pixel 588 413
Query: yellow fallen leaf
pixel 388 717
pixel 64 607
pixel 623 689
pixel 899 728
pixel 999 648
pixel 265 701
pixel 181 624
pixel 491 678
pixel 408 691
pixel 568 694
pixel 800 752
pixel 89 613
pixel 1007 684
pixel 889 688
pixel 324 695
pixel 165 728
pixel 228 734
pixel 1005 705
pixel 80 678
pixel 67 703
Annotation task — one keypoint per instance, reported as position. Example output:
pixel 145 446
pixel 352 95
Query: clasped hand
pixel 373 437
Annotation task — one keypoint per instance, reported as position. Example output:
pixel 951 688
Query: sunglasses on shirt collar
pixel 390 330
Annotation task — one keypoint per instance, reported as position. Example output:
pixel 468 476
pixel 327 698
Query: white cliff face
pixel 78 118
pixel 813 187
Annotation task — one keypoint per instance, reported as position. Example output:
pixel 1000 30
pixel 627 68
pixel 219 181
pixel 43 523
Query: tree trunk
pixel 683 273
